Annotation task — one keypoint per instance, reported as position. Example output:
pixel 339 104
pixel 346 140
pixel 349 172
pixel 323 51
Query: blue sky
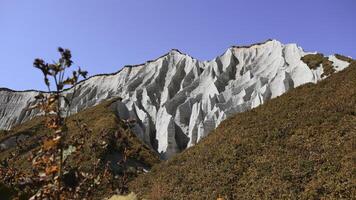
pixel 105 35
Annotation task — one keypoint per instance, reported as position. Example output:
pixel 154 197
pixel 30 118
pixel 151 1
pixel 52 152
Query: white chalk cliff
pixel 176 99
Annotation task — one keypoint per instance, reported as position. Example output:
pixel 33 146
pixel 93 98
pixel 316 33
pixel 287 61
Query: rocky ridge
pixel 176 99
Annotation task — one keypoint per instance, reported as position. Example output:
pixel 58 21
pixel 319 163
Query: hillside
pixel 301 145
pixel 100 123
pixel 177 100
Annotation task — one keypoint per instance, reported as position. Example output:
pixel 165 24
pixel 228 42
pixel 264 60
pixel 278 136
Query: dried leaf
pixel 69 81
pixel 49 144
pixel 52 170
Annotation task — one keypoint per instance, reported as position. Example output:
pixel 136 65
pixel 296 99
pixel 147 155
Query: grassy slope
pixel 301 145
pixel 98 118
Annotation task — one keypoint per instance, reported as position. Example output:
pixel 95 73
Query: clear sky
pixel 105 35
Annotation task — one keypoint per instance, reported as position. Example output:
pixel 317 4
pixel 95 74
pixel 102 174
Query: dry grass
pixel 158 191
pixel 314 61
pixel 131 196
pixel 301 145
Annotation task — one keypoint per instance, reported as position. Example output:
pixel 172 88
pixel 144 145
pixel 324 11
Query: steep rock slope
pixel 177 100
pixel 300 145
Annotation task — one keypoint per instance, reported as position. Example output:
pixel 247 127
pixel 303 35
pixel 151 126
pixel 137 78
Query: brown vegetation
pixel 315 60
pixel 300 145
pixel 98 119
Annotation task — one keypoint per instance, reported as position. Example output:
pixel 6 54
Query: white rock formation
pixel 177 100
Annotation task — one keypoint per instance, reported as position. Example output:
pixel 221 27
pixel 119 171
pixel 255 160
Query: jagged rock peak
pixel 174 51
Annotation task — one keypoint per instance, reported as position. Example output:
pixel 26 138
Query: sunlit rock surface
pixel 177 100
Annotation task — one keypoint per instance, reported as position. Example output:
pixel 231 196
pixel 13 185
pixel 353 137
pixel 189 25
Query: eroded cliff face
pixel 13 107
pixel 177 100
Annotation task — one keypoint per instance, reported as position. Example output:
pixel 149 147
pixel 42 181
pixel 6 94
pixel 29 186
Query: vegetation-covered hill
pixel 301 145
pixel 99 123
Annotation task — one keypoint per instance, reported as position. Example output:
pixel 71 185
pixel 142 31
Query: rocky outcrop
pixel 177 100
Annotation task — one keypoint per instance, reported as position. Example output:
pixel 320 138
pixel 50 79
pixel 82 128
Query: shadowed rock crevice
pixel 175 84
pixel 227 75
pixel 181 139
